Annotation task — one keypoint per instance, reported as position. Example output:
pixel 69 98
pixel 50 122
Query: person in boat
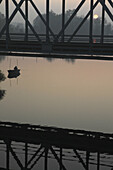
pixel 15 68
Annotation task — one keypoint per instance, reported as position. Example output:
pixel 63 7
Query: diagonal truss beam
pixel 37 160
pixel 82 22
pixel 70 19
pixel 25 18
pixel 107 9
pixel 12 16
pixel 91 22
pixel 38 12
pixel 33 157
pixel 80 159
pixel 57 158
pixel 15 157
pixel 111 3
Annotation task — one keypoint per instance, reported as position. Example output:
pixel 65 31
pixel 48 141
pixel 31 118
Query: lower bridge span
pixel 52 142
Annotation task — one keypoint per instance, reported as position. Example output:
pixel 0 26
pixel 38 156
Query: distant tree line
pixel 13 27
pixel 55 22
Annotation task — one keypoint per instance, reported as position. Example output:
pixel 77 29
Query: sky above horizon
pixel 55 6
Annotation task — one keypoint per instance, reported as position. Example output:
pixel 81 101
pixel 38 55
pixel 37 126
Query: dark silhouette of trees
pixel 2 20
pixel 55 23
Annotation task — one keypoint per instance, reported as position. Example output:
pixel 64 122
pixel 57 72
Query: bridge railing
pixel 76 38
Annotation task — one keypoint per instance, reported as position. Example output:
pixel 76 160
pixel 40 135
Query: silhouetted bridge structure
pixel 50 43
pixel 35 142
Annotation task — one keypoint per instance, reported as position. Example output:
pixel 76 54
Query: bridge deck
pixel 57 47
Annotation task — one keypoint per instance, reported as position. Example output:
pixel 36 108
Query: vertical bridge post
pixel 63 18
pixel 47 20
pixel 7 21
pixel 26 21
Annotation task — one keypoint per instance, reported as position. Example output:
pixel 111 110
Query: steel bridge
pixel 34 142
pixel 61 43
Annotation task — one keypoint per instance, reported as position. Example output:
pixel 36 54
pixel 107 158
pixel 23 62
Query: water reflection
pixel 2 58
pixel 50 59
pixel 69 60
pixel 2 76
pixel 2 92
pixel 59 93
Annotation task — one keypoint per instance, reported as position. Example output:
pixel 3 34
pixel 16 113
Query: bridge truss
pixel 25 147
pixel 60 43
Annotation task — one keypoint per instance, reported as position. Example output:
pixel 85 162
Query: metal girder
pixel 111 3
pixel 63 18
pixel 91 22
pixel 12 16
pixel 7 156
pixel 80 159
pixel 103 20
pixel 57 158
pixel 70 19
pixel 35 154
pixel 98 161
pixel 16 157
pixel 26 155
pixel 106 9
pixel 37 160
pixel 61 154
pixel 26 19
pixel 43 20
pixel 87 160
pixel 47 20
pixel 46 158
pixel 82 22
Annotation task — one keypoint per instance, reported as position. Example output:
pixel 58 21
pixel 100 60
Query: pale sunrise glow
pixel 95 16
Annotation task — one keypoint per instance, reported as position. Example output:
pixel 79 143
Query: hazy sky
pixel 56 6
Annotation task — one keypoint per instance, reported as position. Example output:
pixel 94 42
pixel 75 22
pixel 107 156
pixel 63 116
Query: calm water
pixel 59 93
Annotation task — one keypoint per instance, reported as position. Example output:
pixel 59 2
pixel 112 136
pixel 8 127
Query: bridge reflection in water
pixel 35 142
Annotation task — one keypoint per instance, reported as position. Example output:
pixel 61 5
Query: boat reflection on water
pixel 14 73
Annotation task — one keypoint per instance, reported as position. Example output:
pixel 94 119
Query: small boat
pixel 14 73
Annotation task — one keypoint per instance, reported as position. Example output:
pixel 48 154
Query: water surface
pixel 59 93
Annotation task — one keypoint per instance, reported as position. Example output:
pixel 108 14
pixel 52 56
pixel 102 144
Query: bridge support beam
pixel 63 18
pixel 61 150
pixel 103 20
pixel 81 160
pixel 26 155
pixel 7 156
pixel 47 20
pixel 7 22
pixel 87 160
pixel 58 159
pixel 91 23
pixel 98 161
pixel 46 158
pixel 26 21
